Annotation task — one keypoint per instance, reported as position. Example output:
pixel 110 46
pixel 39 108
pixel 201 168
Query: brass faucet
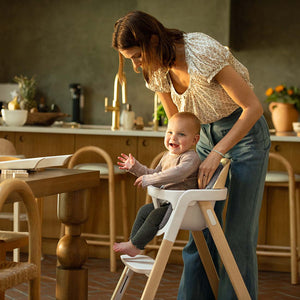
pixel 115 108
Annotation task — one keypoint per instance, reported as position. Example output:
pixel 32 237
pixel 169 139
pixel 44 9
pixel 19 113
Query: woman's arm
pixel 169 106
pixel 240 92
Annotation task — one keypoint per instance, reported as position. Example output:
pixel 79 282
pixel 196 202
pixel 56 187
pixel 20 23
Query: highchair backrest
pixel 185 212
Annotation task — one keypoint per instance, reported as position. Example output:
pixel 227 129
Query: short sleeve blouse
pixel 204 97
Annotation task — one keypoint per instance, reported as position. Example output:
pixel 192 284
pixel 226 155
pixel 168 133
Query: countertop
pixel 105 130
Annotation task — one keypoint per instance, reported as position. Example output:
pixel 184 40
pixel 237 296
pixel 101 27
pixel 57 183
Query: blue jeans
pixel 249 160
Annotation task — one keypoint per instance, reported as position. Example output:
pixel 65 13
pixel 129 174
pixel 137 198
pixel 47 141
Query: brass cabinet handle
pixel 128 142
pixel 145 143
pixel 277 148
pixel 21 138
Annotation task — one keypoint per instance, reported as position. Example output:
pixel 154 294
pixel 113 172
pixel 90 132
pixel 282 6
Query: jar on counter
pixel 128 117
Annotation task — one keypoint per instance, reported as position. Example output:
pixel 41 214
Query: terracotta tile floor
pixel 272 285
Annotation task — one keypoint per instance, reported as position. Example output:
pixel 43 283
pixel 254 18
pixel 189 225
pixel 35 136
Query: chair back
pixel 186 213
pixel 12 188
pixel 7 147
pixel 80 153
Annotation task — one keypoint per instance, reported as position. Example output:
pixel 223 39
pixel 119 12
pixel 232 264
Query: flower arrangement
pixel 284 94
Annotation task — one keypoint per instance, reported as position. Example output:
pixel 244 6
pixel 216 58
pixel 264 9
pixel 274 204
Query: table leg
pixel 72 249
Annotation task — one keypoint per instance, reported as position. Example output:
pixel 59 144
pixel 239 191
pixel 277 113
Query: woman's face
pixel 135 55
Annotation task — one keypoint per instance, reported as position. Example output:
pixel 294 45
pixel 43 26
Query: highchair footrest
pixel 141 264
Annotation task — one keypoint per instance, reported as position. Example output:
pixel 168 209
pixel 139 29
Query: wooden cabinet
pixel 42 144
pixel 274 220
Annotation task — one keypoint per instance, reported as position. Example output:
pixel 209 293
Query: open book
pixel 35 163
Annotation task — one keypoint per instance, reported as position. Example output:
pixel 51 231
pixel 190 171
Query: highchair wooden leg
pixel 123 283
pixel 157 270
pixel 224 250
pixel 207 261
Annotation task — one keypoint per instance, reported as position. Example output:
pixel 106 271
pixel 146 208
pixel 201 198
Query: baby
pixel 177 170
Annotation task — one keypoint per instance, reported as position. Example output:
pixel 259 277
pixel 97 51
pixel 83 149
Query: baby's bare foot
pixel 126 248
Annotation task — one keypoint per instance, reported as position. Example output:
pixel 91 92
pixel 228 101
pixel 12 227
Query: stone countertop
pixel 86 130
pixel 105 130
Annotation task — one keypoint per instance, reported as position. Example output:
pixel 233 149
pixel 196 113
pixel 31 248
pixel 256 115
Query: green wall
pixel 65 41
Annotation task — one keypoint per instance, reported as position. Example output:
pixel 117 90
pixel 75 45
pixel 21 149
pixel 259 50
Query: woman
pixel 193 72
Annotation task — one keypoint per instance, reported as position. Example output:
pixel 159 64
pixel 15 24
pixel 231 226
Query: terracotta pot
pixel 283 116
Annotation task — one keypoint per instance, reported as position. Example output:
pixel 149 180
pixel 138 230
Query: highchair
pixel 191 210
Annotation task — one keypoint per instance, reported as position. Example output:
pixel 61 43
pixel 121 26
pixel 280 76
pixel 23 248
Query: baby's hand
pixel 139 181
pixel 126 162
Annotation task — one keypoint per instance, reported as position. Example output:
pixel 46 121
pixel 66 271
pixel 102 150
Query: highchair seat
pixel 185 208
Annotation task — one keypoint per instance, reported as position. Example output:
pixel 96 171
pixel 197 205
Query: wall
pixel 265 37
pixel 66 41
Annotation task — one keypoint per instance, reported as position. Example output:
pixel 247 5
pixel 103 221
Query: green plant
pixel 284 94
pixel 27 87
pixel 161 115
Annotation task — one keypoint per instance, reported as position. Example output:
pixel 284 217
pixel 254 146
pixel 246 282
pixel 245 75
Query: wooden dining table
pixel 74 187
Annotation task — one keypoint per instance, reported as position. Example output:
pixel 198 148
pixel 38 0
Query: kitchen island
pixel 33 141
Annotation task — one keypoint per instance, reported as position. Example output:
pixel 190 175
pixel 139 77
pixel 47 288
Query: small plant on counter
pixel 161 115
pixel 284 94
pixel 27 90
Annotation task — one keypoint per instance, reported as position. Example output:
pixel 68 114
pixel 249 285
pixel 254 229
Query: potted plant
pixel 284 106
pixel 161 115
pixel 27 90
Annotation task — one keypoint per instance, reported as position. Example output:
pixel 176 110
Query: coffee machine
pixel 77 102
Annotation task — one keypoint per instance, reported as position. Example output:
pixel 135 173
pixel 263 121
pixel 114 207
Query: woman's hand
pixel 207 169
pixel 126 162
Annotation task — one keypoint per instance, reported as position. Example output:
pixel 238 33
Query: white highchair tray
pixel 141 264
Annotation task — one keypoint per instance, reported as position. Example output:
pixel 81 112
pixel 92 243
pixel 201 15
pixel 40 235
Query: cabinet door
pixel 45 144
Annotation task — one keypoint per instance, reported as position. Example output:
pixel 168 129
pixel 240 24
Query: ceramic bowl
pixel 16 117
pixel 296 127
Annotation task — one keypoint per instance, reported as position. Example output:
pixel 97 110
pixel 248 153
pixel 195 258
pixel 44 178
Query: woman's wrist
pixel 220 153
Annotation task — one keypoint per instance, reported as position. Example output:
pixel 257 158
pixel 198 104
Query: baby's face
pixel 180 136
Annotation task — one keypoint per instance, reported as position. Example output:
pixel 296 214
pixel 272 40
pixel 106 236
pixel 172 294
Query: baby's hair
pixel 189 116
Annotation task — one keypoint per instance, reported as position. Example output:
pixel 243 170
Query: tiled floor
pixel 102 283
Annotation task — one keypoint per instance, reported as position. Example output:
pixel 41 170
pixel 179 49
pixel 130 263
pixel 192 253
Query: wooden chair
pixel 291 181
pixel 110 172
pixel 192 210
pixel 15 240
pixel 8 152
pixel 7 147
pixel 14 273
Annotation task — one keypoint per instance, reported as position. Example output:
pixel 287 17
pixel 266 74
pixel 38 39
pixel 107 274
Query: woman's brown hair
pixel 137 29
